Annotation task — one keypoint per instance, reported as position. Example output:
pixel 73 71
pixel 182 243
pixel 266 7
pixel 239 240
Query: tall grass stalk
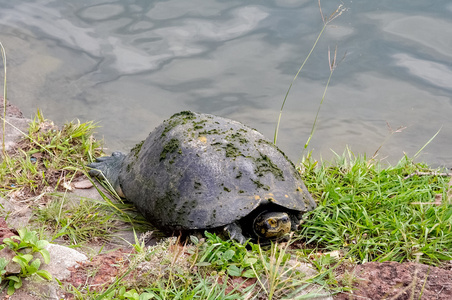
pixel 333 64
pixel 392 132
pixel 4 98
pixel 425 145
pixel 2 50
pixel 326 21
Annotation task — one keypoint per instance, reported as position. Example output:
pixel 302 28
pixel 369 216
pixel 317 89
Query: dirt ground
pixel 393 280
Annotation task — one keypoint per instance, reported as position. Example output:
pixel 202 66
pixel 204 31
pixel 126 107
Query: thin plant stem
pixel 317 114
pixel 275 138
pixel 4 99
pixel 326 21
pixel 392 132
pixel 333 64
pixel 425 145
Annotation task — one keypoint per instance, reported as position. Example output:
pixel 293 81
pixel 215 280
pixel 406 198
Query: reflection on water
pixel 434 73
pixel 131 64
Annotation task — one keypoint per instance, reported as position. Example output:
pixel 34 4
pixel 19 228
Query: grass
pixel 375 213
pixel 163 271
pixel 171 270
pixel 3 52
pixel 79 221
pixel 48 156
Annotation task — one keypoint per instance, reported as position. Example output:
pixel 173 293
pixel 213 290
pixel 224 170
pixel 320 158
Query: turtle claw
pixel 106 164
pixel 94 172
pixel 113 156
pixel 108 167
pixel 235 233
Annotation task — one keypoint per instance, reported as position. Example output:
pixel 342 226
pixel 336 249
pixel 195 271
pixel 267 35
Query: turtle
pixel 198 172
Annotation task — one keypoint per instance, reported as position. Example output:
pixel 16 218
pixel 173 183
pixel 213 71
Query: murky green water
pixel 132 64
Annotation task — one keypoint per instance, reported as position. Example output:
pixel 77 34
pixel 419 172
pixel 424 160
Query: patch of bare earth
pixel 100 272
pixel 5 231
pixel 399 281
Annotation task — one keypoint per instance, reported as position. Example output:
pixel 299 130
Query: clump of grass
pixel 48 157
pixel 84 220
pixel 376 213
pixel 279 275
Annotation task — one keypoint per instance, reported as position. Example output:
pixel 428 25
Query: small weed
pixel 24 246
pixel 227 256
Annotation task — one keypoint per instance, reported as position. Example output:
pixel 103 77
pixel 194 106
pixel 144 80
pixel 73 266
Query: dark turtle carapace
pixel 199 171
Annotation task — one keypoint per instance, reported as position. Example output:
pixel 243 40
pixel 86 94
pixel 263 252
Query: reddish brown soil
pixel 400 281
pixel 101 271
pixel 6 232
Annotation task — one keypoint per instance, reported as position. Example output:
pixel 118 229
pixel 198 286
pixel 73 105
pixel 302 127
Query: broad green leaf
pixel 41 244
pixel 233 270
pixel 45 274
pixel 46 255
pixel 228 254
pixel 249 274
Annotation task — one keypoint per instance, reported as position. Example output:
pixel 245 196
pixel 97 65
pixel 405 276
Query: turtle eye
pixel 272 223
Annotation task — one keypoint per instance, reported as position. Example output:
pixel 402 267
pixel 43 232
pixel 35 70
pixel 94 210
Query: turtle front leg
pixel 235 232
pixel 295 222
pixel 108 167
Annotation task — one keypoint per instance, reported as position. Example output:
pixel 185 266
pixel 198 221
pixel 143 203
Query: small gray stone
pixel 62 258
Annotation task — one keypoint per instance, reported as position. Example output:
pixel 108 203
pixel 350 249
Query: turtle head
pixel 272 225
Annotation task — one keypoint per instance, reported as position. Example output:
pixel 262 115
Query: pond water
pixel 131 64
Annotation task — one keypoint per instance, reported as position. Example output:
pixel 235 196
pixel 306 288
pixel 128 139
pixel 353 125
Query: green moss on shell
pixel 177 119
pixel 232 151
pixel 261 141
pixel 260 185
pixel 136 149
pixel 170 147
pixel 265 165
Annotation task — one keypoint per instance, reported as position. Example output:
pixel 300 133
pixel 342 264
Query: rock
pixel 5 231
pixel 18 214
pixel 62 258
pixel 83 184
pixel 11 110
pixel 313 291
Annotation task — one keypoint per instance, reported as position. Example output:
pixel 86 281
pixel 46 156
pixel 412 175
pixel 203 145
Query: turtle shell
pixel 200 171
